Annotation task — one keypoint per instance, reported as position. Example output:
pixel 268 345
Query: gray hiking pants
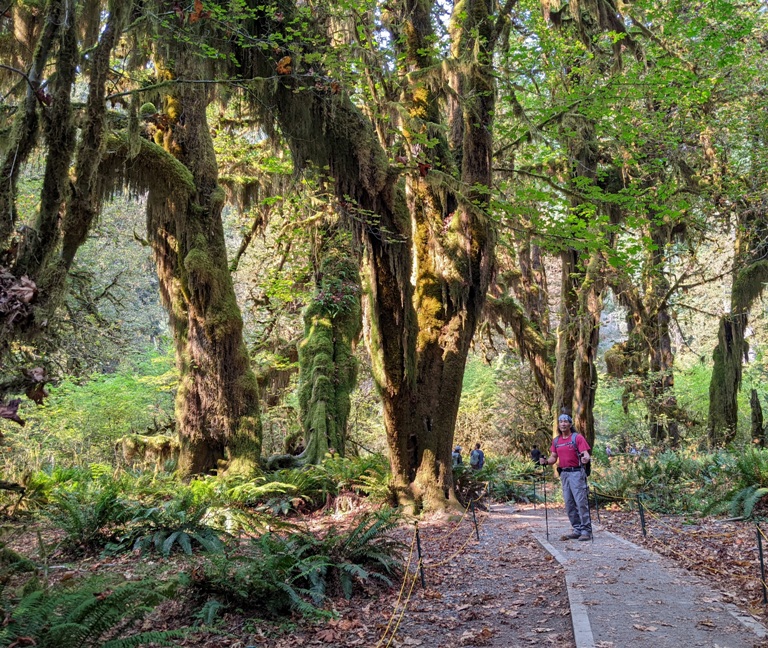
pixel 576 498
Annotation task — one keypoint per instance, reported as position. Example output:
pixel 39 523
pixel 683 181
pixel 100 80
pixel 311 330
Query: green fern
pixel 742 502
pixel 175 523
pixel 736 503
pixel 296 571
pixel 88 515
pixel 84 616
pixel 753 499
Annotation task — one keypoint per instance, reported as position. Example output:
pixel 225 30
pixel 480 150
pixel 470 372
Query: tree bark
pixel 217 404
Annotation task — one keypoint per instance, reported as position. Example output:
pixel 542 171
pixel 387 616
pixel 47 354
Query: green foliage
pixel 80 422
pixel 88 615
pixel 368 475
pixel 742 504
pixel 177 523
pixel 296 571
pixel 670 481
pixel 89 514
pixel 508 479
pixel 477 408
pixel 751 467
pixel 363 552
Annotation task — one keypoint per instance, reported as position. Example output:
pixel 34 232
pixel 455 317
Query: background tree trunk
pixel 327 364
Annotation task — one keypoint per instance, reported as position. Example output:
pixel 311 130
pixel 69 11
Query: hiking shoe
pixel 585 537
pixel 570 536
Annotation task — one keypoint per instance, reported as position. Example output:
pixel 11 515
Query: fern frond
pixel 753 499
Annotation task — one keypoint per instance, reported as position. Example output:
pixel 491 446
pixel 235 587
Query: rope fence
pixel 410 576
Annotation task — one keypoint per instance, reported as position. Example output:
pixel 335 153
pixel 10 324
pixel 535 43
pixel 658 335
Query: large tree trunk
pixel 217 405
pixel 428 248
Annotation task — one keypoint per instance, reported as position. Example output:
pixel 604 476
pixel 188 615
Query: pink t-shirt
pixel 566 453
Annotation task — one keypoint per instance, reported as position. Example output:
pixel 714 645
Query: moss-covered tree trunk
pixel 327 363
pixel 566 348
pixel 39 255
pixel 750 277
pixel 217 405
pixel 527 313
pixel 661 399
pixel 428 244
pixel 729 354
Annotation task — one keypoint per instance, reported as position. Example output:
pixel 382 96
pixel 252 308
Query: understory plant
pixel 90 514
pixel 176 523
pixel 295 571
pixel 83 615
pixel 508 479
pixel 749 474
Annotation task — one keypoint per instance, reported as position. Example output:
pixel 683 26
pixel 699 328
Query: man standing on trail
pixel 476 458
pixel 571 450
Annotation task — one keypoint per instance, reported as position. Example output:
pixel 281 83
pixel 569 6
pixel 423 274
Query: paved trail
pixel 623 596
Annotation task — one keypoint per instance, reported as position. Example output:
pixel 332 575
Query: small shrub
pixel 295 572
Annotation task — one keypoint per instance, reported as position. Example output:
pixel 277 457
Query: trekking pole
pixel 642 514
pixel 546 515
pixel 586 483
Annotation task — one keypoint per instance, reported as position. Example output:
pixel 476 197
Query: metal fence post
pixel 642 515
pixel 421 564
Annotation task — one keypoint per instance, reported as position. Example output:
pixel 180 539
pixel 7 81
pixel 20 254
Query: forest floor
pixel 502 590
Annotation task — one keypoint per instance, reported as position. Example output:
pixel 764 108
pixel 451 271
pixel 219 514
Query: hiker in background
pixel 608 451
pixel 570 451
pixel 535 454
pixel 456 456
pixel 476 458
